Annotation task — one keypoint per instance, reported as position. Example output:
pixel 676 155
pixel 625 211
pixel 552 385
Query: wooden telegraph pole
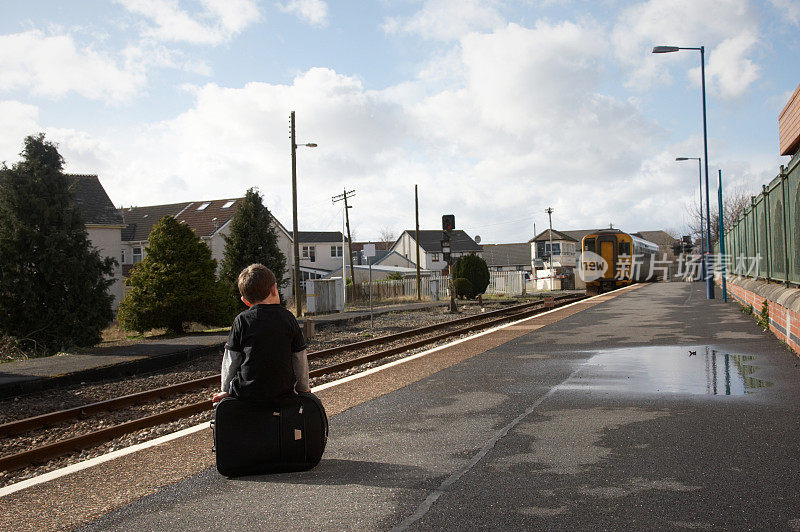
pixel 344 197
pixel 416 237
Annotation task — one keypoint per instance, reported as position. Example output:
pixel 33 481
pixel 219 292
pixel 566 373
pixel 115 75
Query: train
pixel 611 259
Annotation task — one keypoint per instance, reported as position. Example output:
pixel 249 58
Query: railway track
pixel 45 452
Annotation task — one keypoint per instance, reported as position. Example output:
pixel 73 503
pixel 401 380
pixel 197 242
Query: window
pixel 123 257
pixel 588 245
pixel 556 248
pixel 336 251
pixel 625 248
pixel 435 257
pixel 203 206
pixel 137 255
pixel 309 253
pixel 228 205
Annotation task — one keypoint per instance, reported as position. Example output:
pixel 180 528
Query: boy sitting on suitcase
pixel 265 355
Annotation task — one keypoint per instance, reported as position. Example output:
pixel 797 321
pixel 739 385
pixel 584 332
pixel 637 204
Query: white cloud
pixel 790 10
pixel 727 28
pixel 17 120
pixel 313 12
pixel 54 66
pixel 216 21
pixel 447 20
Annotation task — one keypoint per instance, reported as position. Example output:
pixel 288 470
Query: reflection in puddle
pixel 668 369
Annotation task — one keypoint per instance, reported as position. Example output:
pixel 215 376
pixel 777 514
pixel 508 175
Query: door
pixel 608 252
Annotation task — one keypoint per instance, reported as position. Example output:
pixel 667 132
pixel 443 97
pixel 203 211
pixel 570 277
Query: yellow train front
pixel 612 259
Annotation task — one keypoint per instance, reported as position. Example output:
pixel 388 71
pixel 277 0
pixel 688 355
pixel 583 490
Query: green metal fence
pixel 765 240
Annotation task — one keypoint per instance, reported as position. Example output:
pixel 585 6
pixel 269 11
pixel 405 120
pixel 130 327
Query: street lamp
pixel 700 172
pixel 297 294
pixel 702 49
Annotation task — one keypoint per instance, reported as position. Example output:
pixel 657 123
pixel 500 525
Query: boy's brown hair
pixel 255 282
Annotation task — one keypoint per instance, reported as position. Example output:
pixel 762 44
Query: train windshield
pixel 588 245
pixel 625 248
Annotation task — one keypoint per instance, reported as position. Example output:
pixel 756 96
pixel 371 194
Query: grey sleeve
pixel 231 361
pixel 300 366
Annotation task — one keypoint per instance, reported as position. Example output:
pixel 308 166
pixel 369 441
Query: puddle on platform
pixel 668 369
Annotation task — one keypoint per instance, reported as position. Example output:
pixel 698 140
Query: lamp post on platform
pixel 297 293
pixel 700 172
pixel 702 50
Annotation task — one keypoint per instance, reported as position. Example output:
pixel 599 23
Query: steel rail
pixel 80 412
pixel 77 443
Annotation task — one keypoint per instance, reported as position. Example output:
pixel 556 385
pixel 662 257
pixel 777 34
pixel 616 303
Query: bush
pixel 763 319
pixel 175 284
pixel 474 269
pixel 53 283
pixel 464 288
pixel 394 276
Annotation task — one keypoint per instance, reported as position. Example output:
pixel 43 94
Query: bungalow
pixel 508 257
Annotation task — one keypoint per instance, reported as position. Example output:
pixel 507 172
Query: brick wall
pixel 783 322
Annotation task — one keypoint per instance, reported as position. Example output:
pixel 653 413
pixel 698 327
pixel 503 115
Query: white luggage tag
pixel 298 434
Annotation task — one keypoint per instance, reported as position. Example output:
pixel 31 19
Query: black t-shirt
pixel 266 335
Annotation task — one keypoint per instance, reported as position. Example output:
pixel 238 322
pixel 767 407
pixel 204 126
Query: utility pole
pixel 416 237
pixel 298 295
pixel 549 212
pixel 344 197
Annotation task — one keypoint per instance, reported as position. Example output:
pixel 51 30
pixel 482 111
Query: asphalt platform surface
pixel 656 409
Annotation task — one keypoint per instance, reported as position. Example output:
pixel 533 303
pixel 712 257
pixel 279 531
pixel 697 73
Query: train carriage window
pixel 588 245
pixel 624 248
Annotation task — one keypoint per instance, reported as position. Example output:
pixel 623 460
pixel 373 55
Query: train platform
pixel 646 408
pixel 37 374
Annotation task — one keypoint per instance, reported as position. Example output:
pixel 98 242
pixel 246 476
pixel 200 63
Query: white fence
pixel 506 283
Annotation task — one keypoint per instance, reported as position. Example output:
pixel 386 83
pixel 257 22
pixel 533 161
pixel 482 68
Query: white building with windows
pixel 321 252
pixel 430 244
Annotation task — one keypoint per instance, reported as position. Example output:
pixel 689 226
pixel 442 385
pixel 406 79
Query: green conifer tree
pixel 253 239
pixel 474 269
pixel 175 284
pixel 53 284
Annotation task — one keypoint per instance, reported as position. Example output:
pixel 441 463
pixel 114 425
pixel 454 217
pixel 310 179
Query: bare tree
pixel 387 235
pixel 735 202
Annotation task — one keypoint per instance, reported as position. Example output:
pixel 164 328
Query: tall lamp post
pixel 702 49
pixel 700 172
pixel 298 298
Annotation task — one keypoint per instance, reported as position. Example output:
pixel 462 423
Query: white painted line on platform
pixel 86 464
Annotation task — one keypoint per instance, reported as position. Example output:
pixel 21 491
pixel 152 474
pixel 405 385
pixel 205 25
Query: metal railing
pixel 764 242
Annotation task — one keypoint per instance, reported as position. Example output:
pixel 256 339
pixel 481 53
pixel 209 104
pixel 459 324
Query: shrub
pixel 763 319
pixel 175 284
pixel 53 283
pixel 464 288
pixel 474 269
pixel 394 276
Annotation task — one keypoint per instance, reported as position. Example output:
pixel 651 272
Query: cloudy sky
pixel 496 109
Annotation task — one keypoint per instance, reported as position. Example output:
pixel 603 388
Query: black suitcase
pixel 252 438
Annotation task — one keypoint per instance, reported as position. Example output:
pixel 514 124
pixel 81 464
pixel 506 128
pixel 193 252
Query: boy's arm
pixel 300 366
pixel 231 362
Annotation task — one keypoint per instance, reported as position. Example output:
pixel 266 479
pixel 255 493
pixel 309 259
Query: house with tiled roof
pixel 430 243
pixel 104 224
pixel 210 220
